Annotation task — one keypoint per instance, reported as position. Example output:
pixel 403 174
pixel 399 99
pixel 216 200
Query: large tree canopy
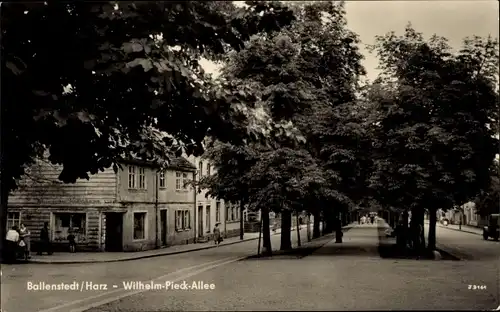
pixel 95 83
pixel 433 144
pixel 83 78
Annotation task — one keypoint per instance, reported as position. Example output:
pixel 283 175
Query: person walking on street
pixel 45 240
pixel 217 235
pixel 25 235
pixel 12 239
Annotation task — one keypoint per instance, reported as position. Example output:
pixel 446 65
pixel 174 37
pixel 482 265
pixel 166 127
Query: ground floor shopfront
pixel 109 227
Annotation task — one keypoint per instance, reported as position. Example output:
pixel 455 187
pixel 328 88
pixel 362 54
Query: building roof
pixel 175 163
pixel 182 163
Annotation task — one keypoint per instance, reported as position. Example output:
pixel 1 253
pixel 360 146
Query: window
pixel 228 210
pixel 13 218
pixel 178 181
pixel 184 181
pixel 208 169
pixel 237 211
pixel 207 218
pixel 200 170
pixel 187 222
pixel 64 223
pixel 181 181
pixel 139 225
pixel 232 212
pixel 217 212
pixel 182 220
pixel 162 179
pixel 131 177
pixel 142 178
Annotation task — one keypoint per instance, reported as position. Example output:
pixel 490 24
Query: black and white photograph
pixel 249 156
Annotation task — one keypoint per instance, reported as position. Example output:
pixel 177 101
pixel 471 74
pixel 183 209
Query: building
pixel 210 211
pixel 137 208
pixel 468 214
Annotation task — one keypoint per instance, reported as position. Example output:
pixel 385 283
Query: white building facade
pixel 210 211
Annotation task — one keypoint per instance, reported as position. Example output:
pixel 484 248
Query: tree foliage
pixel 132 65
pixel 433 145
pixel 305 75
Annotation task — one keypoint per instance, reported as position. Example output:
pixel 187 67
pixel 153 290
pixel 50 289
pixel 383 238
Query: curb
pixel 143 256
pixel 319 241
pixel 465 231
pixel 453 253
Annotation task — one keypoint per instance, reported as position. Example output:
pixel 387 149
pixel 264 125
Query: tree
pixel 283 179
pixel 132 65
pixel 228 182
pixel 488 201
pixel 303 73
pixel 434 146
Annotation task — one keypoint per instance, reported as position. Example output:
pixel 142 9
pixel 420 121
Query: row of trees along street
pixel 291 124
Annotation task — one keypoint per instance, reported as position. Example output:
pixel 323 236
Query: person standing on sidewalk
pixel 25 237
pixel 72 241
pixel 12 239
pixel 45 240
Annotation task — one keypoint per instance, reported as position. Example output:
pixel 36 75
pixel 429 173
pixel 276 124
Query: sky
pixel 451 19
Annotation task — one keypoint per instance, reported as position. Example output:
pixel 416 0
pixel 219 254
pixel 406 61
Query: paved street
pixel 348 276
pixel 16 297
pixel 466 245
pixel 464 228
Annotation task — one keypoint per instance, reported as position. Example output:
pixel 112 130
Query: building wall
pixel 174 194
pixel 174 200
pixel 232 219
pixel 41 185
pixel 208 204
pixel 42 198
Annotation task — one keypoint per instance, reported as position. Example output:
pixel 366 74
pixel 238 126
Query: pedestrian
pixel 12 240
pixel 217 235
pixel 72 241
pixel 25 235
pixel 45 240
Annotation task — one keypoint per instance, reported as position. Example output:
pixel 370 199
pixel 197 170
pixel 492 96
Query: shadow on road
pixel 388 249
pixel 317 246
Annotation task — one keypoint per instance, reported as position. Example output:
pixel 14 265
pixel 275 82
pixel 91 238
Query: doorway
pixel 207 219
pixel 200 221
pixel 114 231
pixel 163 226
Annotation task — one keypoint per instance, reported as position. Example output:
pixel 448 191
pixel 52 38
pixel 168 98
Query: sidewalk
pixel 360 240
pixel 100 257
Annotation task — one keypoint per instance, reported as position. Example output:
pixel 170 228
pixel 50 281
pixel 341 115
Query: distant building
pixel 467 212
pixel 209 210
pixel 137 208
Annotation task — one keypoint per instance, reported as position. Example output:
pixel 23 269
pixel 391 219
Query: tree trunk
pixel 266 233
pixel 329 218
pixel 242 225
pixel 316 231
pixel 286 230
pixel 417 221
pixel 298 230
pixel 402 239
pixel 309 238
pixel 431 240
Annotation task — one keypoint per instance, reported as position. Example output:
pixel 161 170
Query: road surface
pixel 348 276
pixel 466 245
pixel 15 278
